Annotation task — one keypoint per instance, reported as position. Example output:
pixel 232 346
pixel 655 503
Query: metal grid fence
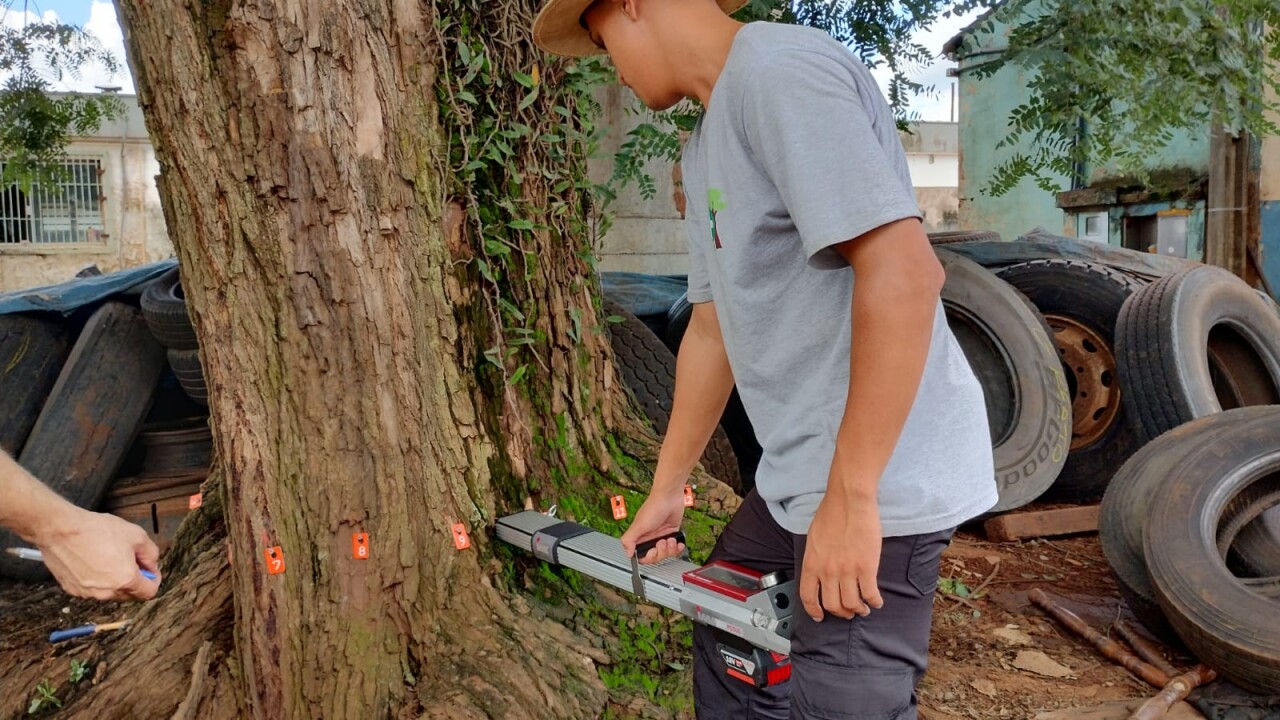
pixel 69 212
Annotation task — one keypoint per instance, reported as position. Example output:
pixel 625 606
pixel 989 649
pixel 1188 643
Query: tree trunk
pixel 335 288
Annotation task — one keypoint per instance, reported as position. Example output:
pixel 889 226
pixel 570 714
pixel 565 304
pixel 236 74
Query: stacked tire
pixel 648 370
pixel 165 308
pixel 1187 527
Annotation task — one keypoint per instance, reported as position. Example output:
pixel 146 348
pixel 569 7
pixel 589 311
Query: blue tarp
pixel 68 296
pixel 644 295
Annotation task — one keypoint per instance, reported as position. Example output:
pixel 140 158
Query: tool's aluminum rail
pixel 601 556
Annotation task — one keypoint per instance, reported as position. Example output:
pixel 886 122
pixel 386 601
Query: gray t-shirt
pixel 798 152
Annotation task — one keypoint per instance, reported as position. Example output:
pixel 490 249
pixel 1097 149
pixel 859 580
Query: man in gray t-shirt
pixel 815 290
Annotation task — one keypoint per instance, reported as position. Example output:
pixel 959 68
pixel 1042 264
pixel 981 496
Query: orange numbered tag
pixel 195 501
pixel 360 546
pixel 619 507
pixel 460 538
pixel 275 560
pixel 688 496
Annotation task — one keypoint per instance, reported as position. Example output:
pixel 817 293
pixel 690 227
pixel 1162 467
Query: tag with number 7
pixel 275 560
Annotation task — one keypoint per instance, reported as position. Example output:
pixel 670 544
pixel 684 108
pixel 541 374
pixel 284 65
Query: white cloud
pixel 102 25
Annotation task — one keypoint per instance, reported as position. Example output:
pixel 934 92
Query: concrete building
pixel 108 214
pixel 1195 182
pixel 647 235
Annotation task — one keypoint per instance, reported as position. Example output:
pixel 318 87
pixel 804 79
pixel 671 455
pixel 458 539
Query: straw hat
pixel 558 28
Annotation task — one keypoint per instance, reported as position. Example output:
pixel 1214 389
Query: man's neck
pixel 703 50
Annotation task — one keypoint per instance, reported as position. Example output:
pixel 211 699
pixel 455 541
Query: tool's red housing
pixel 726 578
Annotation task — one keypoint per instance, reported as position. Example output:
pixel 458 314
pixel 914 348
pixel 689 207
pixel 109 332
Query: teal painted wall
pixel 1271 244
pixel 984 107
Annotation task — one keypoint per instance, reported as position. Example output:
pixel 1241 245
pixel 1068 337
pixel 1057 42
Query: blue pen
pixel 83 630
pixel 33 554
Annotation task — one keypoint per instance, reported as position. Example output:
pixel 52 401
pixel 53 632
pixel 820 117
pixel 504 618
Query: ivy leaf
pixel 527 100
pixel 518 375
pixel 520 224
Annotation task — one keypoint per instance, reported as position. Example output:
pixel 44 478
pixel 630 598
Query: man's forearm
pixel 704 381
pixel 26 506
pixel 894 305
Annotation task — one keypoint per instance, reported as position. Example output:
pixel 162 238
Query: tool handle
pixel 643 548
pixel 60 635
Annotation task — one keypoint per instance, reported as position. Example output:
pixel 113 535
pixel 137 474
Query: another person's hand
pixel 842 558
pixel 98 556
pixel 661 514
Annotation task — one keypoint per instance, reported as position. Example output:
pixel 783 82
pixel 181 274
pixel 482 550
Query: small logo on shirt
pixel 715 203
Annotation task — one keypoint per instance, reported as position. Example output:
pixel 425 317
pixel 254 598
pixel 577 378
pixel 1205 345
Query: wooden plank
pixel 1042 523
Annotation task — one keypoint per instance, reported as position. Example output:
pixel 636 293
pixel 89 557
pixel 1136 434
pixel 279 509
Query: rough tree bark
pixel 303 187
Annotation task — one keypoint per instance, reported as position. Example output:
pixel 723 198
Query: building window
pixel 68 213
pixel 1094 227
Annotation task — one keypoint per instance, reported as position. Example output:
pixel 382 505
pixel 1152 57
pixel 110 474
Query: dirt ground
pixel 976 642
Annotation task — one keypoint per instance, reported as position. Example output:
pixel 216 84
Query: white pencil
pixel 26 553
pixel 33 554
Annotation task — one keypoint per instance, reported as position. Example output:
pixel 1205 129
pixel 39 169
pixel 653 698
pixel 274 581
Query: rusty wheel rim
pixel 1090 365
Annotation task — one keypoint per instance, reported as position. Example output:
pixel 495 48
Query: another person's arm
pixel 91 555
pixel 704 381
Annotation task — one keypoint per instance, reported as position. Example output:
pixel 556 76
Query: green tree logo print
pixel 715 203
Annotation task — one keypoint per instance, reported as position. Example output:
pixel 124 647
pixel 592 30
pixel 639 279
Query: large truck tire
pixel 1125 508
pixel 1011 350
pixel 1081 302
pixel 649 370
pixel 1196 343
pixel 32 352
pixel 1228 622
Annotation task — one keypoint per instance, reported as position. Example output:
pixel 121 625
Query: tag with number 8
pixel 275 560
pixel 360 546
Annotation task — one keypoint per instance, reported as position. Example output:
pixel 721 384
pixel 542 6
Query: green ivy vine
pixel 520 127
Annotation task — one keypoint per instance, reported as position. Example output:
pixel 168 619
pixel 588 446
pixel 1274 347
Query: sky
pixel 99 18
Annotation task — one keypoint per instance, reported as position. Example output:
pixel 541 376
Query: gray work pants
pixel 866 668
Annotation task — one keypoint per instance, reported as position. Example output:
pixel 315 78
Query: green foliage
pixel 1113 82
pixel 45 697
pixel 35 126
pixel 79 670
pixel 952 586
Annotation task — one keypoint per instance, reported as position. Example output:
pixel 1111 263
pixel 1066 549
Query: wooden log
pixel 1042 523
pixel 1108 647
pixel 1177 690
pixel 1116 710
pixel 1144 648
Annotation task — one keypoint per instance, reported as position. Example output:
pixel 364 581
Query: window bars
pixel 66 213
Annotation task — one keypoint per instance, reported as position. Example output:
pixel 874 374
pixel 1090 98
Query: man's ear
pixel 630 8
